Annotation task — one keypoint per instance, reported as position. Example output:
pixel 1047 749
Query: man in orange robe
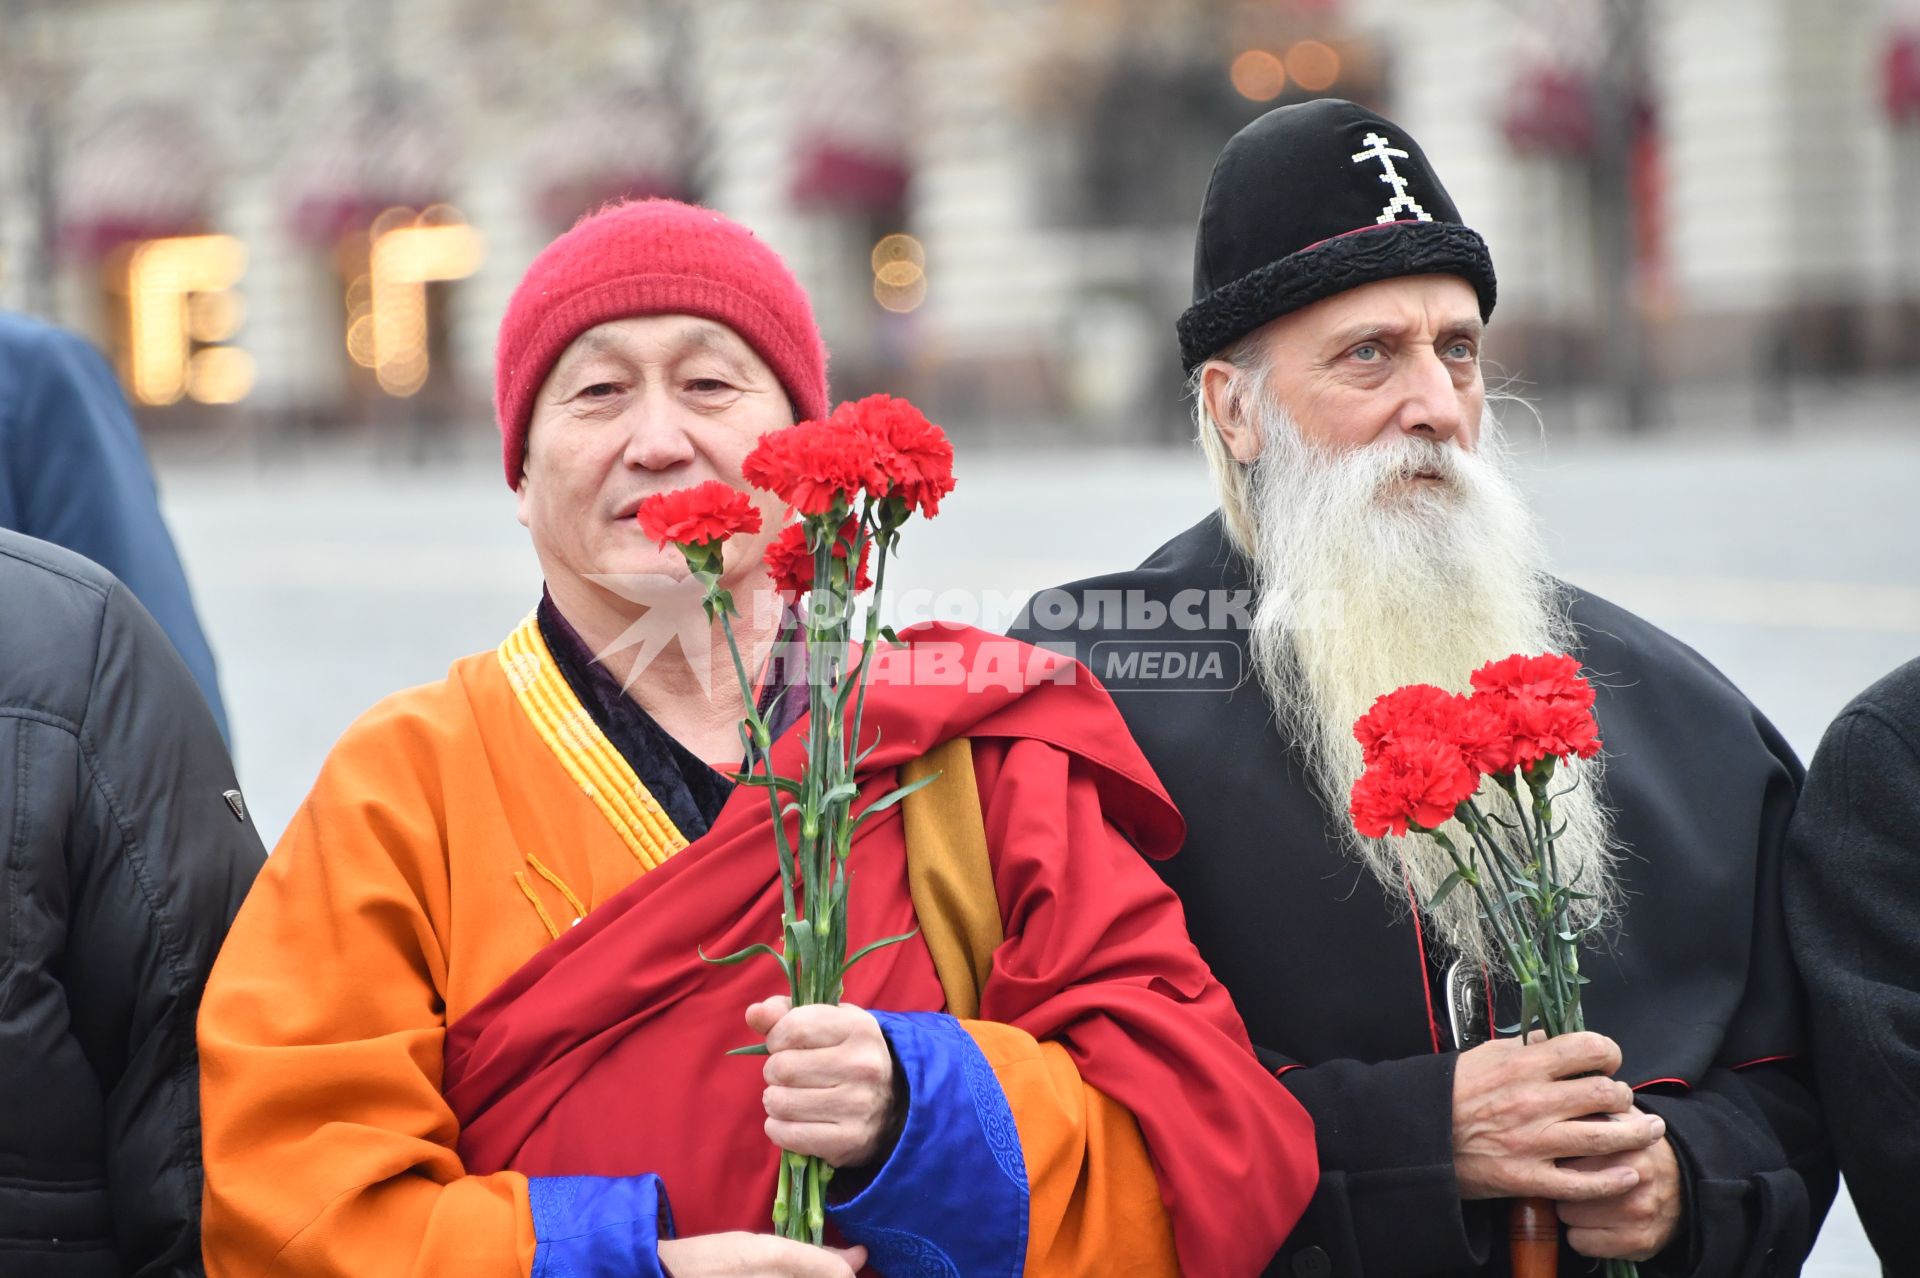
pixel 462 1025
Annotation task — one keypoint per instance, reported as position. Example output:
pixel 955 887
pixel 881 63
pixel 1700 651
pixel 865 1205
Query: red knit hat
pixel 653 257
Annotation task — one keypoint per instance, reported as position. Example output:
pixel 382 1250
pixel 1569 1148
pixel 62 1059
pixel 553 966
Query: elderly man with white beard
pixel 1369 536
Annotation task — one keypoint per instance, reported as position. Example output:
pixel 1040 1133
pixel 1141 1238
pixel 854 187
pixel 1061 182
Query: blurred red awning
pixel 1902 78
pixel 851 135
pixel 364 161
pixel 618 144
pixel 144 175
pixel 831 174
pixel 1549 111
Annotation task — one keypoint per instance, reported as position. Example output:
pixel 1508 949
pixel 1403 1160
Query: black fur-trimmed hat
pixel 1311 200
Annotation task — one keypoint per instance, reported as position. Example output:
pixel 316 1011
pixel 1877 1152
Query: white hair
pixel 1405 561
pixel 1232 479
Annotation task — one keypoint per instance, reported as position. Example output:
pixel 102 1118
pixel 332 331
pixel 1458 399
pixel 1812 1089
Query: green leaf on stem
pixel 892 797
pixel 778 783
pixel 741 956
pixel 1447 885
pixel 801 941
pixel 865 950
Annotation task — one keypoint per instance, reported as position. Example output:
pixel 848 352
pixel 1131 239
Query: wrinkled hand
pixel 1519 1108
pixel 829 1079
pixel 1635 1225
pixel 756 1256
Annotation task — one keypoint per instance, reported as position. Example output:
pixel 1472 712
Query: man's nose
pixel 659 433
pixel 1432 408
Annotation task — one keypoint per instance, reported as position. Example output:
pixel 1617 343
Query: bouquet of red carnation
pixel 855 479
pixel 1426 751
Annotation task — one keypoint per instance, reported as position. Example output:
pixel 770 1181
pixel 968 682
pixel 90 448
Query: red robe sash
pixel 604 1054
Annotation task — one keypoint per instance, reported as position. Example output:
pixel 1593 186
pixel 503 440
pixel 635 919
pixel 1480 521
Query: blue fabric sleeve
pixel 599 1226
pixel 951 1198
pixel 76 475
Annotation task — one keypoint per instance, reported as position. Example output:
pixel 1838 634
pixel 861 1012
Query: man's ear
pixel 1223 389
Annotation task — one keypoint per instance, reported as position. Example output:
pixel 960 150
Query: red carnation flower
pixel 1544 704
pixel 1482 737
pixel 914 457
pixel 1553 676
pixel 1422 712
pixel 1417 711
pixel 791 563
pixel 705 513
pixel 813 464
pixel 1413 782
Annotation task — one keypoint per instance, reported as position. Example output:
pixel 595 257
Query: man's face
pixel 1395 357
pixel 636 407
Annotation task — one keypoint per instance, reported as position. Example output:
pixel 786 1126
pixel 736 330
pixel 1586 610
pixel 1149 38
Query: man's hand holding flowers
pixel 831 1089
pixel 1524 1126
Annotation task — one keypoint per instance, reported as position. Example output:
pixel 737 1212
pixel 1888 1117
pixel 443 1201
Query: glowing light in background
pixel 1314 66
pixel 900 298
pixel 1258 76
pixel 220 375
pixel 215 317
pixel 899 273
pixel 174 287
pixel 387 307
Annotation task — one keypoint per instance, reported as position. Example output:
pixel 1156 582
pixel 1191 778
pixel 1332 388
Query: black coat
pixel 1853 912
pixel 1341 995
pixel 124 864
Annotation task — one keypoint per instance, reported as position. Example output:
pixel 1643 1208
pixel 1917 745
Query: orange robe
pixel 455 830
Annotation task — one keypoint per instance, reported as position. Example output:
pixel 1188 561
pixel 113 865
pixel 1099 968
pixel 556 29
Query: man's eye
pixel 1460 350
pixel 1366 353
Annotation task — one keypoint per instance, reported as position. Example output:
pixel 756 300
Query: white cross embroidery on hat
pixel 1377 149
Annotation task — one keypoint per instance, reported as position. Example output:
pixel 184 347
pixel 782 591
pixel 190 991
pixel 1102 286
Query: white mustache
pixel 1400 458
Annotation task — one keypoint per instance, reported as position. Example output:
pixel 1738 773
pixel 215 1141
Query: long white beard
pixel 1367 580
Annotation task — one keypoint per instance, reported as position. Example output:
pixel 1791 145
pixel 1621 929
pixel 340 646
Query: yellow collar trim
pixel 601 771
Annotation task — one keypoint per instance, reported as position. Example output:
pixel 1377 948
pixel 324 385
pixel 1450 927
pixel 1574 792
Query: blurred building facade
pixel 313 211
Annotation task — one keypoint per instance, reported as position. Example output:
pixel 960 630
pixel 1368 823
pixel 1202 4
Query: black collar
pixel 690 792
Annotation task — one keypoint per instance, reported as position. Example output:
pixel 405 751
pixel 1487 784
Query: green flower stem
pixel 1552 994
pixel 821 738
pixel 821 896
pixel 1556 926
pixel 1560 924
pixel 818 1174
pixel 1528 909
pixel 801 1180
pixel 873 623
pixel 1534 906
pixel 813 873
pixel 1473 880
pixel 1502 912
pixel 1533 963
pixel 759 752
pixel 780 1197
